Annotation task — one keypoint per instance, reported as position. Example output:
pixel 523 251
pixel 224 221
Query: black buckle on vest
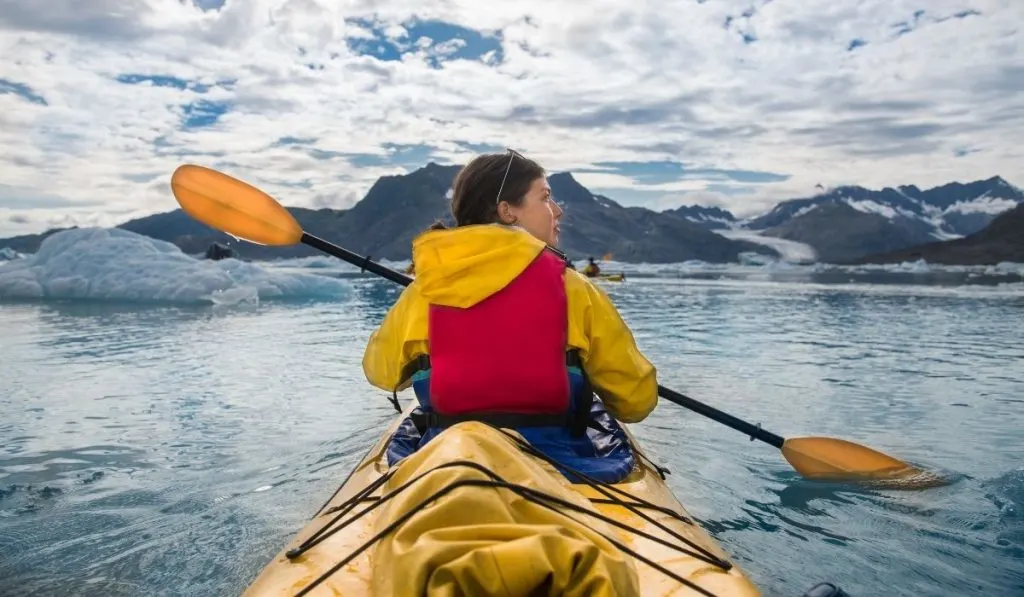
pixel 558 253
pixel 420 363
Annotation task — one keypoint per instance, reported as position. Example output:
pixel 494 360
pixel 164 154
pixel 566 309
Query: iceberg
pixel 117 265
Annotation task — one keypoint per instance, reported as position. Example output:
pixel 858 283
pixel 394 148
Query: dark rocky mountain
pixel 1000 241
pixel 594 225
pixel 28 243
pixel 397 208
pixel 712 218
pixel 177 227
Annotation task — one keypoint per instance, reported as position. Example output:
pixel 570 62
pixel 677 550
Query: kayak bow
pixel 504 515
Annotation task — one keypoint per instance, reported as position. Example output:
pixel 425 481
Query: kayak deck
pixel 640 530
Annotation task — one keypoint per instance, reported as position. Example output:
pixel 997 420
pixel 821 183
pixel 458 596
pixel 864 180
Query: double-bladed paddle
pixel 245 212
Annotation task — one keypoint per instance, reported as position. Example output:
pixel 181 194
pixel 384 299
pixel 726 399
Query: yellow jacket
pixel 462 266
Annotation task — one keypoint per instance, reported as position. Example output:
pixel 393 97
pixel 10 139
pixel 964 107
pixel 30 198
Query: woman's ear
pixel 505 213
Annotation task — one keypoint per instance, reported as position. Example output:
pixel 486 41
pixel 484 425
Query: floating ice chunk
pixel 118 265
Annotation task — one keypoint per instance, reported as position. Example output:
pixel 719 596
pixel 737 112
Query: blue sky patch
pixel 963 151
pixel 208 5
pixel 733 23
pixel 288 141
pixel 21 90
pixel 324 154
pixel 963 14
pixel 142 177
pixel 443 42
pixel 661 172
pixel 904 27
pixel 855 43
pixel 748 176
pixel 203 113
pixel 412 157
pixel 155 80
pixel 646 172
pixel 169 81
pixel 479 148
pixel 292 184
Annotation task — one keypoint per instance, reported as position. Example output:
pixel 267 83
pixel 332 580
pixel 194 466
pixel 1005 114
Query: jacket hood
pixel 459 267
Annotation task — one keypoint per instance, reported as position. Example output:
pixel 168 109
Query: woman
pixel 495 328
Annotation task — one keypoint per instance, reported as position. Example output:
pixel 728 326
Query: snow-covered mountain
pixel 712 218
pixel 951 210
pixel 850 222
pixel 1001 241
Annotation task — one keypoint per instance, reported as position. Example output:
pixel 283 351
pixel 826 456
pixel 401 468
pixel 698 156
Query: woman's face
pixel 538 214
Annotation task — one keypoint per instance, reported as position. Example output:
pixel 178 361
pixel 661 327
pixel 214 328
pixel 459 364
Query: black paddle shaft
pixel 364 263
pixel 355 259
pixel 754 431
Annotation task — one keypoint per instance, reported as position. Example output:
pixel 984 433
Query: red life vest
pixel 507 353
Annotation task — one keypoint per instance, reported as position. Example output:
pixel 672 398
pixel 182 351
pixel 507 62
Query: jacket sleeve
pixel 399 339
pixel 621 376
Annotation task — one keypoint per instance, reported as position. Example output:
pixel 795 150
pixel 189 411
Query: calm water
pixel 174 450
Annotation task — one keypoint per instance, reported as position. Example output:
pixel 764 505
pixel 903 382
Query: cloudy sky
pixel 658 103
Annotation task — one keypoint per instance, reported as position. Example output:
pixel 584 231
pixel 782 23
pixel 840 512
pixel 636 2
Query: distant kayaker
pixel 591 270
pixel 494 323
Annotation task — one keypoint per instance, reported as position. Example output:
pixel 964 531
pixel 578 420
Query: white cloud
pixel 615 82
pixel 607 180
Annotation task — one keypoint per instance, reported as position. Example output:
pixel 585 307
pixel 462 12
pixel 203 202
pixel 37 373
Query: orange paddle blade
pixel 234 207
pixel 826 458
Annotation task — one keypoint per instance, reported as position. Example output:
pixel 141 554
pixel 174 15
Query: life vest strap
pixel 426 420
pixel 422 363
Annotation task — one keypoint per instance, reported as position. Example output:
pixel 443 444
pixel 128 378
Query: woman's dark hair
pixel 475 189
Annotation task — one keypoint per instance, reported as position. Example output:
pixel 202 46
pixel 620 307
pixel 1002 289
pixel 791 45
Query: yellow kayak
pixel 620 277
pixel 477 512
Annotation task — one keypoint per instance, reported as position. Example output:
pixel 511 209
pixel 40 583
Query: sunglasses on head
pixel 511 156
